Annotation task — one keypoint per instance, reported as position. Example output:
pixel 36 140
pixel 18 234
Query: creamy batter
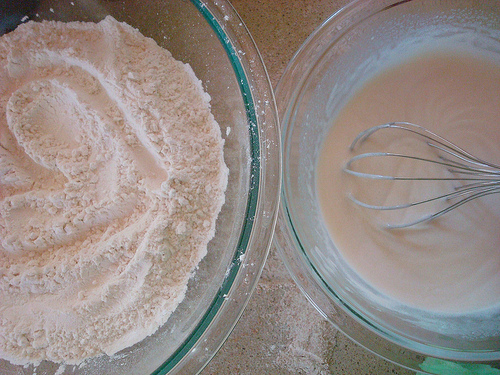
pixel 111 179
pixel 451 264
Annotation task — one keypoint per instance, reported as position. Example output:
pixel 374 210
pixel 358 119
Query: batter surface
pixel 451 264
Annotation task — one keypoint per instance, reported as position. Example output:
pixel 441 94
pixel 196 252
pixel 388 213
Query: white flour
pixel 111 179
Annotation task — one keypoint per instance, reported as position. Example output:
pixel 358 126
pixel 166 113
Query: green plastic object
pixel 442 367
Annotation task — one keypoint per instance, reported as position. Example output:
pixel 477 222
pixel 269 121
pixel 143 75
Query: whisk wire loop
pixel 477 177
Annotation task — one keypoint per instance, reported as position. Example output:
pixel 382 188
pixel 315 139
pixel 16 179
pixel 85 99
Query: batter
pixel 448 265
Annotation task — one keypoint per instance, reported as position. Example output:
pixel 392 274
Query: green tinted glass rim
pixel 253 193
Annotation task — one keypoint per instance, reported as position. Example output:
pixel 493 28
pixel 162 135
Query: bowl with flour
pixel 140 174
pixel 426 297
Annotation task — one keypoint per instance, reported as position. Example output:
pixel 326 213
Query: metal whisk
pixel 473 178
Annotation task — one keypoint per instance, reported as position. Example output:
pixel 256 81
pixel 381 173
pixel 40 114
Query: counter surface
pixel 280 332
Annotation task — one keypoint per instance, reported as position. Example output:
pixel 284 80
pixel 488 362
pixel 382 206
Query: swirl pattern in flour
pixel 111 179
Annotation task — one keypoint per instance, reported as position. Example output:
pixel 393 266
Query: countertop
pixel 280 332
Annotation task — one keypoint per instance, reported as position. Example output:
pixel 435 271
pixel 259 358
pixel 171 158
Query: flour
pixel 111 180
pixel 304 352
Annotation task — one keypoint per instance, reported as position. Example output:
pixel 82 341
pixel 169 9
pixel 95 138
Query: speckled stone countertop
pixel 280 333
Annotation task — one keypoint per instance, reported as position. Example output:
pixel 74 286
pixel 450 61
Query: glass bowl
pixel 211 37
pixel 345 51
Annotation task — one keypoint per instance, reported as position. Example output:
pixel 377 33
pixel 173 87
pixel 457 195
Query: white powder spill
pixel 111 179
pixel 306 347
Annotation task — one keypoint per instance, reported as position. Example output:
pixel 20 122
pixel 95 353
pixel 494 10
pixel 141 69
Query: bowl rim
pixel 263 193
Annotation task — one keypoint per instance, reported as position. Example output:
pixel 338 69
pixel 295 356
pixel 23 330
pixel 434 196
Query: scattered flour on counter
pixel 111 179
pixel 305 350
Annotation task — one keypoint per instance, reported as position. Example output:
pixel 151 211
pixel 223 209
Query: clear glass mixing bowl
pixel 331 65
pixel 211 37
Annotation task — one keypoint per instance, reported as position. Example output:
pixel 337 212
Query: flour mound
pixel 111 179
